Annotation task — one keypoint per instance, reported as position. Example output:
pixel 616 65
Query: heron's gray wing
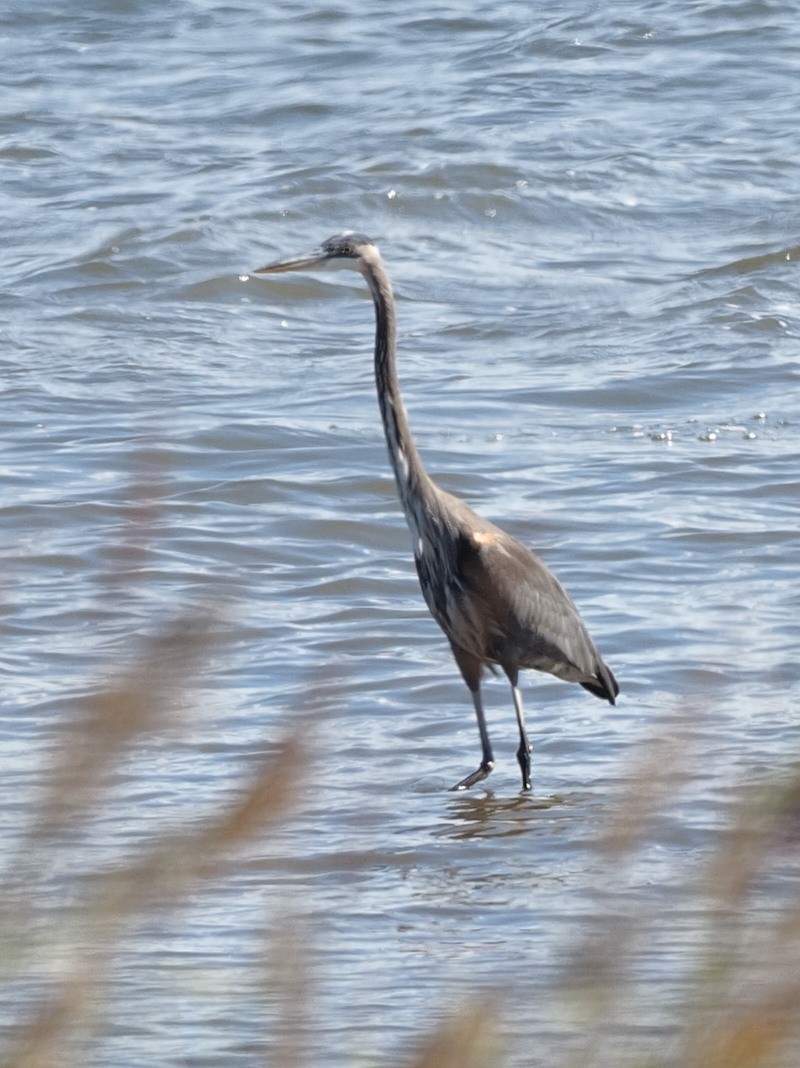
pixel 524 614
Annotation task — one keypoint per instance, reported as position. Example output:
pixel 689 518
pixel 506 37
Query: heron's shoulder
pixel 491 547
pixel 475 533
pixel 489 556
pixel 464 521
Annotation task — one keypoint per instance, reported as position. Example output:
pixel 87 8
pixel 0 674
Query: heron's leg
pixel 487 759
pixel 470 668
pixel 524 751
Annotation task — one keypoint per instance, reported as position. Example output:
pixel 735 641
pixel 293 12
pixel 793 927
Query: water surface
pixel 589 214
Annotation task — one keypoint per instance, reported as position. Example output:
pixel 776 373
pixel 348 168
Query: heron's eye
pixel 347 250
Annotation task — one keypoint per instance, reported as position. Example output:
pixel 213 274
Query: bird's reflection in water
pixel 486 815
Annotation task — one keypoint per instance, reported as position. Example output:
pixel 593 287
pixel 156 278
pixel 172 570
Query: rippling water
pixel 590 216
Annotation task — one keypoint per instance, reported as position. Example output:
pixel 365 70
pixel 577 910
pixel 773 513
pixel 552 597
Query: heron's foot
pixel 524 759
pixel 477 776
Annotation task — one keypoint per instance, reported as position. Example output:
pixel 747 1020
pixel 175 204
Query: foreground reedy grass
pixel 741 995
pixel 739 1003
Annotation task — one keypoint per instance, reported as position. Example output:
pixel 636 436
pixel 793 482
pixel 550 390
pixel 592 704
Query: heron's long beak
pixel 296 263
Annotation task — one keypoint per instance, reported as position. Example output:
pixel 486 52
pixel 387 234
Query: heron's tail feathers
pixel 603 685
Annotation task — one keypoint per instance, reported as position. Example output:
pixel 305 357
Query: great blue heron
pixel 494 599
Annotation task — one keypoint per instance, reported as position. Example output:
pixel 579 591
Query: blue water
pixel 589 215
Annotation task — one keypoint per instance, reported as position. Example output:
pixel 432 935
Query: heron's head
pixel 348 249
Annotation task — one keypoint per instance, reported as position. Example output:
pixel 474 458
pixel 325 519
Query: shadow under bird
pixel 495 600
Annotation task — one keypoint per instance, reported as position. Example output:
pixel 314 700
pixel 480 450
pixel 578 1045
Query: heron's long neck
pixel 414 485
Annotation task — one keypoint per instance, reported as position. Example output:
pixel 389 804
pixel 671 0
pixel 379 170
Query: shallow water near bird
pixel 589 216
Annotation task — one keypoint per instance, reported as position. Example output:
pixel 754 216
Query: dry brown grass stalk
pixel 124 711
pixel 97 737
pixel 468 1039
pixel 741 994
